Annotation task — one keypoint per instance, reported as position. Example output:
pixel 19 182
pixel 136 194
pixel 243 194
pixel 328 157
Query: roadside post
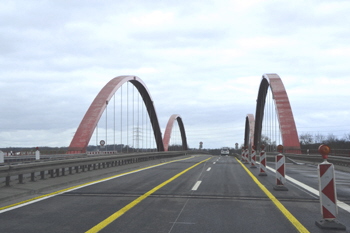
pixel 253 158
pixel 2 159
pixel 280 170
pixel 37 154
pixel 262 161
pixel 328 193
pixel 246 157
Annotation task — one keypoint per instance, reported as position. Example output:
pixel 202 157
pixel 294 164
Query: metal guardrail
pixel 314 158
pixel 60 167
pixel 336 160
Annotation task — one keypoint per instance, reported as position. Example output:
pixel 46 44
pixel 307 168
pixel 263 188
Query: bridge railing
pixel 61 167
pixel 317 158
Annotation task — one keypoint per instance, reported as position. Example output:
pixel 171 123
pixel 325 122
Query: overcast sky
pixel 200 59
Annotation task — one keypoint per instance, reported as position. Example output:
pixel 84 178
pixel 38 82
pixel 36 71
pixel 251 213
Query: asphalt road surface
pixel 201 193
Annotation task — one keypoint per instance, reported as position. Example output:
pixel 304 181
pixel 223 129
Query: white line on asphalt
pixel 209 168
pixel 195 187
pixel 214 163
pixel 316 192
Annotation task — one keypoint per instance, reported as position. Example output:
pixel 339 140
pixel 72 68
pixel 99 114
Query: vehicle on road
pixel 225 151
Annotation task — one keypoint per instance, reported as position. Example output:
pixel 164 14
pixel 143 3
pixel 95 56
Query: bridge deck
pixel 217 195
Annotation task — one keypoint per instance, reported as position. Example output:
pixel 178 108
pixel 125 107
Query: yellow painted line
pixel 279 205
pixel 39 198
pixel 126 208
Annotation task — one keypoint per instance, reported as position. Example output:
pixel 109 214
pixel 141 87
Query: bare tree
pixel 331 138
pixel 347 137
pixel 306 139
pixel 319 138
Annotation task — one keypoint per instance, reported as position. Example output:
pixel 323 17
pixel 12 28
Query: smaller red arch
pixel 249 131
pixel 169 128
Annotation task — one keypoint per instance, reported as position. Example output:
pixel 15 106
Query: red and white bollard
pixel 262 161
pixel 246 155
pixel 253 158
pixel 280 170
pixel 328 193
pixel 242 155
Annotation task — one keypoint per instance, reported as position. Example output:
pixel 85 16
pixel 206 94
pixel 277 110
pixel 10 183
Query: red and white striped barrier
pixel 246 156
pixel 253 158
pixel 328 193
pixel 280 171
pixel 327 190
pixel 242 155
pixel 262 161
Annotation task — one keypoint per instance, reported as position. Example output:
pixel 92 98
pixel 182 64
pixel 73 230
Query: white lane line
pixel 316 192
pixel 214 163
pixel 209 168
pixel 195 187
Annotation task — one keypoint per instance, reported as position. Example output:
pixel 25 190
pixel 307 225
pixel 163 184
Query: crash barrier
pixel 60 167
pixel 336 160
pixel 101 152
pixel 328 194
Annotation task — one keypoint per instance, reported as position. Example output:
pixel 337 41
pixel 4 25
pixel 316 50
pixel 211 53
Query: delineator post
pixel 328 194
pixel 246 157
pixel 37 154
pixel 262 161
pixel 280 170
pixel 253 158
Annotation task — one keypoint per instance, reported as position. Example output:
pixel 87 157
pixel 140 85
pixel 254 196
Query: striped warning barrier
pixel 253 158
pixel 246 156
pixel 327 190
pixel 328 194
pixel 280 170
pixel 262 161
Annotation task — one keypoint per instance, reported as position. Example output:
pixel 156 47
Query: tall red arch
pixel 87 126
pixel 284 113
pixel 249 131
pixel 169 128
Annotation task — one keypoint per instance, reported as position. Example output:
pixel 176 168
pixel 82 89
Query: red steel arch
pixel 249 131
pixel 87 126
pixel 169 128
pixel 284 112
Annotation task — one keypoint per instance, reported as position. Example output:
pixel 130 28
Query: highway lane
pixel 217 195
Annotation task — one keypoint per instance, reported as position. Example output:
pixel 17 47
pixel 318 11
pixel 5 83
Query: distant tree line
pixel 310 141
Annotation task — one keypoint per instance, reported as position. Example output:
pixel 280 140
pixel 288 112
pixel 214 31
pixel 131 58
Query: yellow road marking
pixel 279 205
pixel 120 212
pixel 85 184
